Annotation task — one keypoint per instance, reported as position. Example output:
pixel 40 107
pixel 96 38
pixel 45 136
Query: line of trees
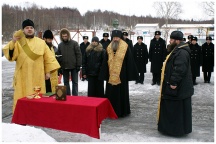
pixel 57 18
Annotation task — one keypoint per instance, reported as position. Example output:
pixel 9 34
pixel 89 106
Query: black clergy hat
pixel 105 35
pixel 85 37
pixel 140 37
pixel 27 22
pixel 157 33
pixel 125 33
pixel 48 34
pixel 194 38
pixel 116 33
pixel 177 35
pixel 208 38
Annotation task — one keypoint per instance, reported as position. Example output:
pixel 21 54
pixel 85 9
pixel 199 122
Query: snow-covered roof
pixel 188 25
pixel 146 25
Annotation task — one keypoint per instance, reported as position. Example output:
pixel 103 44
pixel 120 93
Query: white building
pixel 145 30
pixel 198 30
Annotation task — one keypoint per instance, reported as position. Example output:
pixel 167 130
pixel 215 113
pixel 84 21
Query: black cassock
pixel 119 94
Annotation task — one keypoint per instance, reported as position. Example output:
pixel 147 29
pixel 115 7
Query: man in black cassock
pixel 175 110
pixel 118 68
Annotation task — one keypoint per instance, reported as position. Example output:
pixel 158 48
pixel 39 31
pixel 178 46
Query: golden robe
pixel 30 72
pixel 53 76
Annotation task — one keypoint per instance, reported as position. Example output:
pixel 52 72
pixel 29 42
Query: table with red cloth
pixel 78 114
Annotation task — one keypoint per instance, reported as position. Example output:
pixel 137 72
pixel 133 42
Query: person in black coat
pixel 175 110
pixel 128 41
pixel 196 59
pixel 140 58
pixel 91 67
pixel 157 54
pixel 189 39
pixel 105 41
pixel 208 59
pixel 83 47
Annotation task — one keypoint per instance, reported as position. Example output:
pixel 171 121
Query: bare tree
pixel 208 8
pixel 167 11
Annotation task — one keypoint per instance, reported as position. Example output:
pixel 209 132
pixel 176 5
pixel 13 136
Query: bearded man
pixel 34 61
pixel 175 111
pixel 118 68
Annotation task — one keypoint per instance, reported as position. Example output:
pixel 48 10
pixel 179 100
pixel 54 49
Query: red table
pixel 78 114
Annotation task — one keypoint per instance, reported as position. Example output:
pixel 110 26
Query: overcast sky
pixel 191 8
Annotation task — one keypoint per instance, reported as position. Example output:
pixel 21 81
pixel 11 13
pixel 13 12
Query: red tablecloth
pixel 78 114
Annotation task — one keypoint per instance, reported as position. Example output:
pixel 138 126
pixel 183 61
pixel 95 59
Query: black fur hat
pixel 105 35
pixel 48 34
pixel 85 37
pixel 140 37
pixel 116 33
pixel 194 38
pixel 190 36
pixel 208 38
pixel 157 33
pixel 27 22
pixel 125 33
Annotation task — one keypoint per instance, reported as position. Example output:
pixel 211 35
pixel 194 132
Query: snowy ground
pixel 141 125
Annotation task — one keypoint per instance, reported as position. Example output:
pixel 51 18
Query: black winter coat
pixel 157 54
pixel 208 57
pixel 83 47
pixel 130 44
pixel 141 57
pixel 105 43
pixel 196 59
pixel 92 60
pixel 71 55
pixel 178 73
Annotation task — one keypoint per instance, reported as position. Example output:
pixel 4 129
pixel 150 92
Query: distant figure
pixel 83 47
pixel 91 68
pixel 208 59
pixel 140 58
pixel 34 61
pixel 105 41
pixel 196 59
pixel 127 40
pixel 52 82
pixel 117 69
pixel 184 40
pixel 70 60
pixel 157 54
pixel 189 39
pixel 175 110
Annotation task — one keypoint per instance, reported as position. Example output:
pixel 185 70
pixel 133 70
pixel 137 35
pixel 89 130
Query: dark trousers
pixel 95 87
pixel 74 76
pixel 194 79
pixel 156 77
pixel 140 78
pixel 207 76
pixel 48 85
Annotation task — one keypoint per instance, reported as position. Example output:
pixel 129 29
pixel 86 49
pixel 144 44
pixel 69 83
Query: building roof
pixel 188 25
pixel 146 25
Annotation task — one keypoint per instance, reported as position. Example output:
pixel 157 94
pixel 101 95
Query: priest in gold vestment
pixel 117 69
pixel 34 61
